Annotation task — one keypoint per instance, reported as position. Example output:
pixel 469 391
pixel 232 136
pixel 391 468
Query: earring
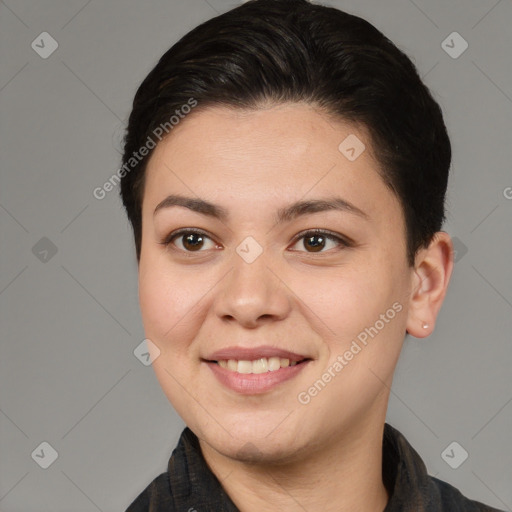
pixel 425 325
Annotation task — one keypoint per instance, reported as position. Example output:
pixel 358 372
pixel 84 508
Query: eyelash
pixel 312 232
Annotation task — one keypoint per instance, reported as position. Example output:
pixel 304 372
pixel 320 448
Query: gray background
pixel 70 320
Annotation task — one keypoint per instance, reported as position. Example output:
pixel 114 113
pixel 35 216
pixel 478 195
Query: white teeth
pixel 262 365
pixel 274 363
pixel 244 367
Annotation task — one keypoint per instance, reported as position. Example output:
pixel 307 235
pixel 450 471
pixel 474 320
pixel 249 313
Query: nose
pixel 252 294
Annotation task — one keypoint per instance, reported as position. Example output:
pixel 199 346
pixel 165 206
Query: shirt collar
pixel 193 485
pixel 405 475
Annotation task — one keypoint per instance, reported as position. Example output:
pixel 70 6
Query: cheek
pixel 335 302
pixel 168 300
pixel 361 304
pixel 345 299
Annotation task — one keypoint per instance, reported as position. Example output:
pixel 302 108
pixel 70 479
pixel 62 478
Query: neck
pixel 343 476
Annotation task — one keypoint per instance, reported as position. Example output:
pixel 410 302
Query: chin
pixel 252 445
pixel 257 453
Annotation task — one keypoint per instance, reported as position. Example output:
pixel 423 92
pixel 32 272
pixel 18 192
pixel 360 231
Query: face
pixel 273 283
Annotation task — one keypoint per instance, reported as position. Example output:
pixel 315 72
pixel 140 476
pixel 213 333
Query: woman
pixel 284 172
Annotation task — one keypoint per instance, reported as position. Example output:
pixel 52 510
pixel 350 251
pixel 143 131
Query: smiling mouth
pixel 261 365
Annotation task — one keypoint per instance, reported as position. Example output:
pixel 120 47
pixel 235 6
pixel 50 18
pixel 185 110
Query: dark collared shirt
pixel 190 486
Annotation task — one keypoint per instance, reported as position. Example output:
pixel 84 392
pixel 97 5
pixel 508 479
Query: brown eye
pixel 315 242
pixel 318 240
pixel 192 241
pixel 189 240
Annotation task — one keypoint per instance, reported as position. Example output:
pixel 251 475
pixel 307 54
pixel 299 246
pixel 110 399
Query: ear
pixel 432 271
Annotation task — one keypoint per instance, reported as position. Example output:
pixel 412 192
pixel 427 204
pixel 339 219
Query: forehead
pixel 293 129
pixel 281 152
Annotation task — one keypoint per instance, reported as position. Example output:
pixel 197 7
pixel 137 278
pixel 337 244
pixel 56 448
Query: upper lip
pixel 251 354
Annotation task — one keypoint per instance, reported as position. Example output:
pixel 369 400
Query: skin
pixel 269 451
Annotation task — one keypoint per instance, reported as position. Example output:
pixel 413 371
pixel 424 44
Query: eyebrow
pixel 286 214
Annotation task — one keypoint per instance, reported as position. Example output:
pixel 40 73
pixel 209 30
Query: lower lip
pixel 254 383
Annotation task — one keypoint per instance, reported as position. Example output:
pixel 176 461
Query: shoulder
pixel 452 500
pixel 412 488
